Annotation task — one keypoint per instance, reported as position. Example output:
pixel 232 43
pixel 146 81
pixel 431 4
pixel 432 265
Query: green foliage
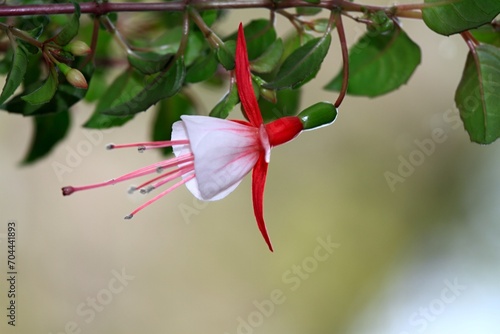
pixel 379 63
pixel 16 74
pixel 70 30
pixel 268 61
pixel 453 16
pixel 478 96
pixel 302 65
pixel 45 92
pixel 168 112
pixel 288 102
pixel 161 58
pixel 228 102
pixel 49 130
pixel 157 87
pixel 487 34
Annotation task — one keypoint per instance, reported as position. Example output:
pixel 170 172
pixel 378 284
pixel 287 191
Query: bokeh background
pixel 421 257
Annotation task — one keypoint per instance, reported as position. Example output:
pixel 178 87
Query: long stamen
pixel 151 144
pixel 160 195
pixel 167 178
pixel 178 172
pixel 186 158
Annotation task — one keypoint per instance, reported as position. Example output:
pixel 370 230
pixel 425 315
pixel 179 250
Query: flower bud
pixel 78 48
pixel 317 115
pixel 73 76
pixel 268 94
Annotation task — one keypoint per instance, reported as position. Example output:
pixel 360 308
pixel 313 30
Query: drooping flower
pixel 212 155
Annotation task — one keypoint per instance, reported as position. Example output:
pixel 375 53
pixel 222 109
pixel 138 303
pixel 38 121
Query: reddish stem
pixel 345 59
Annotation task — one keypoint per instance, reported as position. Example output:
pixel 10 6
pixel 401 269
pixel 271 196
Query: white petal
pixel 224 152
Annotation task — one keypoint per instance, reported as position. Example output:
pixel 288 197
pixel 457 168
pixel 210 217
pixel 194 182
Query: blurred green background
pixel 421 257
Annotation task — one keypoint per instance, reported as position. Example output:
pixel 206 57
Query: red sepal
pixel 258 183
pixel 244 81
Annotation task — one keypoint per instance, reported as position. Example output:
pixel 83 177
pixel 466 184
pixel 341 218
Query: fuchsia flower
pixel 213 155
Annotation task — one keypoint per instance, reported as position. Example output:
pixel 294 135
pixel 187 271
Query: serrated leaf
pixel 16 74
pixel 379 63
pixel 49 130
pixel 168 112
pixel 455 16
pixel 149 62
pixel 268 61
pixel 487 34
pixel 302 65
pixel 160 86
pixel 203 68
pixel 70 29
pixel 121 90
pixel 478 95
pixel 226 104
pixel 45 92
pixel 288 102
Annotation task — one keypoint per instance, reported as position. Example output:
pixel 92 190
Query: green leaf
pixel 121 90
pixel 487 34
pixel 49 130
pixel 97 85
pixel 270 59
pixel 160 86
pixel 168 112
pixel 203 68
pixel 302 65
pixel 64 98
pixel 16 74
pixel 35 33
pixel 228 102
pixel 46 91
pixel 70 30
pixel 287 105
pixel 478 95
pixel 379 63
pixel 226 53
pixel 259 35
pixel 459 15
pixel 149 62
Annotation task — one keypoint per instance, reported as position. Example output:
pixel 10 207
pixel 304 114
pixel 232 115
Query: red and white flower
pixel 213 155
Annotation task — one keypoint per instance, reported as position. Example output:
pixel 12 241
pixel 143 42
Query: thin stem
pixel 345 58
pixel 21 35
pixel 118 37
pixel 99 9
pixel 214 40
pixel 93 42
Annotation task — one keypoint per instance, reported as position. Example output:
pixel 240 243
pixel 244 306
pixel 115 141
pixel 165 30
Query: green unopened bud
pixel 73 76
pixel 78 48
pixel 317 115
pixel 268 94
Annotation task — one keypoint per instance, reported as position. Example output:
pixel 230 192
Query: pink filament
pixel 186 158
pixel 160 195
